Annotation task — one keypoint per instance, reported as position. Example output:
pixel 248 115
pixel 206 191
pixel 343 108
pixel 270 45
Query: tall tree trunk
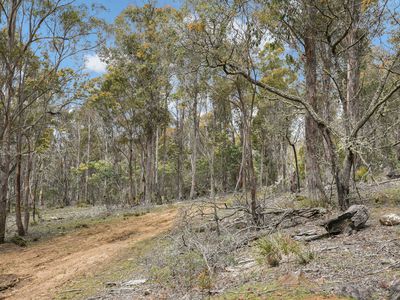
pixel 142 174
pixel 35 192
pixel 193 158
pixel 148 174
pixel 241 182
pixel 180 123
pixel 252 177
pixel 18 187
pixel 248 173
pixel 312 135
pixel 262 156
pixel 156 161
pixel 132 199
pixel 87 163
pixel 353 63
pixel 78 162
pixel 164 164
pixel 296 164
pixel 27 182
pixel 342 178
pixel 352 96
pixel 212 176
pixel 342 175
pixel 64 161
pixel 282 154
pixel 6 163
pixel 41 199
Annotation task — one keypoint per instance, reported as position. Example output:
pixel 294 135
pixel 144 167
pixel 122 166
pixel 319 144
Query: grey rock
pixel 356 293
pixel 394 290
pixel 390 220
pixel 352 219
pixel 135 282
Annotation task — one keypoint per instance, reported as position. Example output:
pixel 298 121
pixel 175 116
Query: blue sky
pixel 93 64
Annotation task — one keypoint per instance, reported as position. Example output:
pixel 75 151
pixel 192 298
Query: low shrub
pixel 274 247
pixel 186 270
pixel 361 174
pixel 19 241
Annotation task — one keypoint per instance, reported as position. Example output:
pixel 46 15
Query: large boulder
pixel 352 219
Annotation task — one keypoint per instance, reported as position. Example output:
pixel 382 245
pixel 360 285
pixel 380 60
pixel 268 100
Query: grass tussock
pixel 274 248
pixel 389 196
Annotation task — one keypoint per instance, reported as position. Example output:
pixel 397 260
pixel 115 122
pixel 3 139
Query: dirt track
pixel 44 268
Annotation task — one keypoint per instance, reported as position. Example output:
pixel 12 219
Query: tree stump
pixel 352 219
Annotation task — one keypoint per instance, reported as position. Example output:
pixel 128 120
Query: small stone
pixel 111 284
pixel 147 293
pixel 356 293
pixel 394 289
pixel 390 220
pixel 135 282
pixel 388 261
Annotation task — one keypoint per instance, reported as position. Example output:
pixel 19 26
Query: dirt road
pixel 44 268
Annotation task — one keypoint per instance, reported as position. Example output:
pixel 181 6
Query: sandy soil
pixel 42 269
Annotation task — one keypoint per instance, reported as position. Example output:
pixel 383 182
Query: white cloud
pixel 94 64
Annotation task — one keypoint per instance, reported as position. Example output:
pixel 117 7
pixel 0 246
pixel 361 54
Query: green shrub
pixel 268 248
pixel 186 270
pixel 273 248
pixel 161 275
pixel 305 257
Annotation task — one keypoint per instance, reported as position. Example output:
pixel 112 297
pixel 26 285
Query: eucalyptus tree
pixel 36 38
pixel 345 28
pixel 140 81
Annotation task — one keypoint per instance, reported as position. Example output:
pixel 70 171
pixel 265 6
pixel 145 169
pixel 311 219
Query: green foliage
pixel 361 173
pixel 44 141
pixel 99 170
pixel 305 257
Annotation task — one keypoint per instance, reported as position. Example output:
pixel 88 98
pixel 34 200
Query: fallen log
pixel 352 219
pixel 285 218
